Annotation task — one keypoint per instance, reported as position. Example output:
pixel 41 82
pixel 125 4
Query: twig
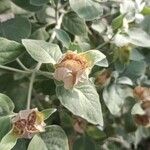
pixel 15 70
pixel 21 64
pixel 31 85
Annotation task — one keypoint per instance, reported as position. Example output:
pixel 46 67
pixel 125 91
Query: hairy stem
pixel 15 70
pixel 21 64
pixel 31 85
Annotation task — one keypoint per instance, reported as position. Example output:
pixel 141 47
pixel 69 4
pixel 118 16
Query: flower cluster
pixel 143 95
pixel 27 123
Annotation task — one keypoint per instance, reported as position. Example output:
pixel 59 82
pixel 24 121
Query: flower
pixel 27 123
pixel 72 69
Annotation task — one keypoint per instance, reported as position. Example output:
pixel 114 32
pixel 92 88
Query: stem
pixel 31 85
pixel 15 70
pixel 21 64
pixel 58 25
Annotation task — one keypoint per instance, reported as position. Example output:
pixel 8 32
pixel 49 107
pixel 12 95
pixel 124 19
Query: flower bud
pixel 71 69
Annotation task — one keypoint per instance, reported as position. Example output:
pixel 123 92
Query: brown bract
pixel 71 69
pixel 27 123
pixel 143 95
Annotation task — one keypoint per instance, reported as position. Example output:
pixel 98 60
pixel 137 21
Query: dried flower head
pixel 72 69
pixel 28 122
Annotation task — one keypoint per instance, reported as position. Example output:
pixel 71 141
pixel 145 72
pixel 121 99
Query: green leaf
pixel 16 29
pixel 48 112
pixel 146 10
pixel 4 5
pixel 114 97
pixel 84 143
pixel 137 109
pixel 82 101
pixel 63 37
pixel 8 141
pixel 73 24
pixel 5 126
pixel 55 138
pixel 42 51
pixel 96 57
pixel 136 55
pixel 37 143
pixel 6 105
pixel 25 4
pixel 86 9
pixel 9 50
pixel 38 2
pixel 117 22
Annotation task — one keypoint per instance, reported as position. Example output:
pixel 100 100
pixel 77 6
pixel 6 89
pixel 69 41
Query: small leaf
pixel 8 141
pixel 55 138
pixel 9 50
pixel 73 24
pixel 48 112
pixel 114 97
pixel 95 57
pixel 137 109
pixel 6 105
pixel 86 9
pixel 82 101
pixel 42 51
pixel 63 37
pixel 37 143
pixel 146 10
pixel 117 22
pixel 124 80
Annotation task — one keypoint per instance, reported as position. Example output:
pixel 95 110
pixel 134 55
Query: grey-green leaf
pixel 55 138
pixel 114 97
pixel 16 29
pixel 6 105
pixel 63 37
pixel 82 101
pixel 86 9
pixel 74 24
pixel 37 143
pixel 9 50
pixel 42 51
pixel 8 141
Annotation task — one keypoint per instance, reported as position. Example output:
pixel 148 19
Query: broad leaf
pixel 117 22
pixel 8 141
pixel 42 51
pixel 4 5
pixel 6 105
pixel 63 37
pixel 9 50
pixel 37 143
pixel 55 138
pixel 73 24
pixel 16 29
pixel 82 101
pixel 86 9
